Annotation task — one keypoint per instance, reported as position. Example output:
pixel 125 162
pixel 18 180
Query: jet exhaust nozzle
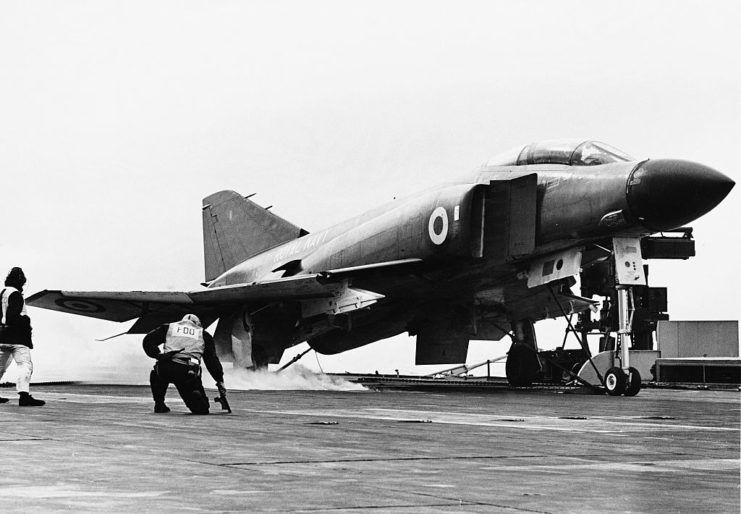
pixel 664 194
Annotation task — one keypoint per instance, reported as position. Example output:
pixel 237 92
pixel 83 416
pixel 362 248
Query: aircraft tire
pixel 615 381
pixel 633 382
pixel 521 367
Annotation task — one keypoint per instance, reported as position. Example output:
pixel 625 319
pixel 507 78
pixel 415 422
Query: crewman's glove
pixel 167 355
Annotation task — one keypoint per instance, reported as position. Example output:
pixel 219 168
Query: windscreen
pixel 592 153
pixel 569 152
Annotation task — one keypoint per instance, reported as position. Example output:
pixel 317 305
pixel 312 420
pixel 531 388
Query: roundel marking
pixel 438 231
pixel 79 305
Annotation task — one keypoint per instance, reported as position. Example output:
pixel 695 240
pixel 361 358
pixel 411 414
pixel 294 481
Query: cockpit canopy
pixel 571 152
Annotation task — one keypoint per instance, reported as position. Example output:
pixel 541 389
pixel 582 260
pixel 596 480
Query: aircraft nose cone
pixel 667 193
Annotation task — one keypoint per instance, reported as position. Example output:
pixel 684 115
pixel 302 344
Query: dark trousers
pixel 187 379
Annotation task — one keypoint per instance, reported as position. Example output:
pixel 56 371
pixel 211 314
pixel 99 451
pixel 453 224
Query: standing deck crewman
pixel 15 336
pixel 185 345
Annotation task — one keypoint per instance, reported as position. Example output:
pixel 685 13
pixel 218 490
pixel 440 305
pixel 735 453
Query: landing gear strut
pixel 630 382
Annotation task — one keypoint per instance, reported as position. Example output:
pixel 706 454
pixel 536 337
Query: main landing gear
pixel 523 365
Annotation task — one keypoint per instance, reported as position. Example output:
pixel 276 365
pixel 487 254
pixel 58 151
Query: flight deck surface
pixel 101 448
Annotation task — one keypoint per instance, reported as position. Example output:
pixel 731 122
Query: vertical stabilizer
pixel 235 229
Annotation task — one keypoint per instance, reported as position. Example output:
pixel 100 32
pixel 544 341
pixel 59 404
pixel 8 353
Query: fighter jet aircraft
pixel 476 258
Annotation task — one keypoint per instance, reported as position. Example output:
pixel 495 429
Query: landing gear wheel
pixel 633 382
pixel 522 366
pixel 615 381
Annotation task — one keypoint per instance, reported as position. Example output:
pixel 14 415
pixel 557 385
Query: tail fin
pixel 235 229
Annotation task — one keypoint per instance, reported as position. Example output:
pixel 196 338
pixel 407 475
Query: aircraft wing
pixel 155 307
pixel 168 305
pixel 110 305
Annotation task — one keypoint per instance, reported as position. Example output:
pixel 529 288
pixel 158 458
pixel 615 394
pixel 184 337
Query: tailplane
pixel 235 229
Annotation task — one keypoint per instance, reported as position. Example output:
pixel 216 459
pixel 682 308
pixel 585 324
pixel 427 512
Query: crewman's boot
pixel 26 400
pixel 159 389
pixel 3 400
pixel 161 408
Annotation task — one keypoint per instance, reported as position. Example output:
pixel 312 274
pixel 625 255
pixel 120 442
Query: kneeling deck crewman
pixel 185 343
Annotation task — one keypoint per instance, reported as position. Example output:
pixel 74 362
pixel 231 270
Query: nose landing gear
pixel 626 272
pixel 610 370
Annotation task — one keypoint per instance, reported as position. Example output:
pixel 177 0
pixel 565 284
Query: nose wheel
pixel 619 382
pixel 615 381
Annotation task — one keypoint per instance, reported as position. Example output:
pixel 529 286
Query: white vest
pixel 5 296
pixel 187 338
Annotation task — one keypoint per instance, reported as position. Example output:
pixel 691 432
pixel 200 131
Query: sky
pixel 117 118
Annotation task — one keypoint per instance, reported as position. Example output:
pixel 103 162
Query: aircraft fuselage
pixel 476 236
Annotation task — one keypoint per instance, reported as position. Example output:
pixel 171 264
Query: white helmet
pixel 192 319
